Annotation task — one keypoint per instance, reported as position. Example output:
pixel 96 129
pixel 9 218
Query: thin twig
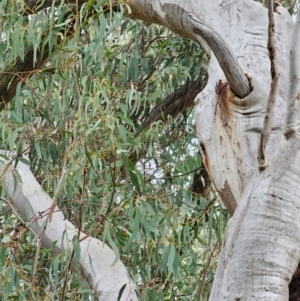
pixel 60 179
pixel 15 212
pixel 266 130
pixel 48 219
pixel 113 176
pixel 38 248
pixel 204 273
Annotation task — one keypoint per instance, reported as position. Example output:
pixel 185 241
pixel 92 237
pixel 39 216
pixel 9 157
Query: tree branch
pixel 98 263
pixel 235 76
pixel 268 120
pixel 172 105
pixel 17 72
pixel 20 70
pixel 176 102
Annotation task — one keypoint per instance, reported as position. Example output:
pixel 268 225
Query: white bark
pixel 96 258
pixel 262 249
pixel 292 121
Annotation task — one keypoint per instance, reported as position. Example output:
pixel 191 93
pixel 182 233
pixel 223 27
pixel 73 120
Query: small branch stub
pixel 238 81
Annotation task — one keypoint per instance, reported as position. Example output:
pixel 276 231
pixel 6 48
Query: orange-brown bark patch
pixel 223 95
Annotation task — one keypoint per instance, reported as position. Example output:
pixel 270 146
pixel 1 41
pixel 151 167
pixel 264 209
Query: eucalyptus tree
pixel 247 129
pixel 98 146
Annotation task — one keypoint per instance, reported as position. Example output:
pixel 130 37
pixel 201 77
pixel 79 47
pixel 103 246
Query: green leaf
pixel 135 182
pixel 23 160
pixel 6 239
pixel 171 259
pixel 121 292
pixel 77 251
pixel 122 132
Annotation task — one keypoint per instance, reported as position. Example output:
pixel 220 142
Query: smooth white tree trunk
pixel 97 261
pixel 262 247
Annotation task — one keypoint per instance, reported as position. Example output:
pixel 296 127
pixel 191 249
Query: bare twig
pixel 15 212
pixel 204 272
pixel 266 130
pixel 238 81
pixel 38 248
pixel 48 220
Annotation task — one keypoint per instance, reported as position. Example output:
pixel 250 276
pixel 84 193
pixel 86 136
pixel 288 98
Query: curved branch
pixel 18 71
pixel 235 76
pixel 98 263
pixel 176 102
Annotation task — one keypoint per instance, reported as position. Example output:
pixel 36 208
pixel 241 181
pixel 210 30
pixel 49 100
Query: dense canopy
pixel 103 107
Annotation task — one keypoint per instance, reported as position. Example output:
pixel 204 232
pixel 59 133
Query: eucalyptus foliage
pixel 80 117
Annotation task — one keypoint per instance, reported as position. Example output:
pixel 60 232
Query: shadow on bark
pixel 294 287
